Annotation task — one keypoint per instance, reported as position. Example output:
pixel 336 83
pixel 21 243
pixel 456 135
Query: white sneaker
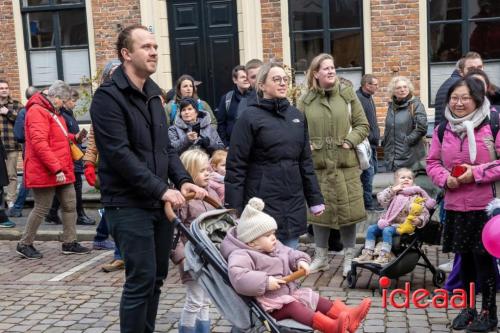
pixel 446 267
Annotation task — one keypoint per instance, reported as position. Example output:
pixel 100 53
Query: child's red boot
pixel 356 314
pixel 326 324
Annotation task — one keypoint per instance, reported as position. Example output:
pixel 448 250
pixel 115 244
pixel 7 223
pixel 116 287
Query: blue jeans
pixel 367 181
pixel 145 237
pixel 21 197
pixel 291 242
pixel 102 232
pixel 374 231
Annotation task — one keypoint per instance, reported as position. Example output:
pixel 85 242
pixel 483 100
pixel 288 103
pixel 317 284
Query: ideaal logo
pixel 421 298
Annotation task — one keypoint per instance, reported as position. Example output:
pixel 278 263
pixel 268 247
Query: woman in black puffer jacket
pixel 270 158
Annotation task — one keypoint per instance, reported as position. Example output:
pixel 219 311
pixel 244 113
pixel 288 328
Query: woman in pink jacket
pixel 468 144
pixel 257 263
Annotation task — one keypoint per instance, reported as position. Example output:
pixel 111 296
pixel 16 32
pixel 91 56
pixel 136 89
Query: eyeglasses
pixel 279 79
pixel 463 99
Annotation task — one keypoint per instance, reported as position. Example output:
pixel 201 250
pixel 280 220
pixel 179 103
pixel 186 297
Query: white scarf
pixel 467 124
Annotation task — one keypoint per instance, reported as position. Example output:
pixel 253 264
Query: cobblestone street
pixel 70 294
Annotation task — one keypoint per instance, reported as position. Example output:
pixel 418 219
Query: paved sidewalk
pixel 88 299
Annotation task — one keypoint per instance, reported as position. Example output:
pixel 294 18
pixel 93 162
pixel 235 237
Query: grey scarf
pixel 466 125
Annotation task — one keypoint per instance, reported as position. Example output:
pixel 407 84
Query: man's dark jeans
pixel 144 237
pixel 367 181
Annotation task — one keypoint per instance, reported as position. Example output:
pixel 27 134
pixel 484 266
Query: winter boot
pixel 202 326
pixel 356 314
pixel 326 324
pixel 487 321
pixel 320 262
pixel 464 319
pixel 348 256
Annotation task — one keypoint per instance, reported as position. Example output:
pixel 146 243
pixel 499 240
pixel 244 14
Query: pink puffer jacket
pixel 455 151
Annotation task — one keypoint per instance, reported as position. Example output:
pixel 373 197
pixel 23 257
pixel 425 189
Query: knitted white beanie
pixel 254 222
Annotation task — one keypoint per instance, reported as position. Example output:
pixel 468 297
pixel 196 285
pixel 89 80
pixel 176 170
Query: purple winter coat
pixel 454 151
pixel 249 270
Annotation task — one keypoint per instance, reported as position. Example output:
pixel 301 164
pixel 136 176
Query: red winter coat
pixel 47 148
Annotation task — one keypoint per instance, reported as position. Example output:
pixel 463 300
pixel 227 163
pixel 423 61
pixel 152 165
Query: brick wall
pixel 395 46
pixel 272 38
pixel 110 17
pixel 9 69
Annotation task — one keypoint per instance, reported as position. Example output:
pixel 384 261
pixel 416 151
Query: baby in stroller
pixel 407 207
pixel 257 263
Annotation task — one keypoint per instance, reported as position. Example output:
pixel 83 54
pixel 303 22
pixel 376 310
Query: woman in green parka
pixel 332 109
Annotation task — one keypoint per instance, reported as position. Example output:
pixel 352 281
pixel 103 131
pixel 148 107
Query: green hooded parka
pixel 337 168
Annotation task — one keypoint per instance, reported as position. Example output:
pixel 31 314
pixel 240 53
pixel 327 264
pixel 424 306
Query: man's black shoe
pixel 464 319
pixel 53 219
pixel 74 248
pixel 85 220
pixel 28 251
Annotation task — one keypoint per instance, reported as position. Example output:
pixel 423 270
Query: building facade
pixel 44 40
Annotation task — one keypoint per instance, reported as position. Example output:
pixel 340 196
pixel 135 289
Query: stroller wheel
pixel 438 278
pixel 351 279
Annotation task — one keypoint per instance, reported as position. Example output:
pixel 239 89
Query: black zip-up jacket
pixel 270 158
pixel 371 114
pixel 227 118
pixel 135 156
pixel 73 128
pixel 440 101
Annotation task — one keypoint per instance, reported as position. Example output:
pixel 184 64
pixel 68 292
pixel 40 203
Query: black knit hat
pixel 188 101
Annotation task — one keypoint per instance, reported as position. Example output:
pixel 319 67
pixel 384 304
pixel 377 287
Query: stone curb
pixel 45 235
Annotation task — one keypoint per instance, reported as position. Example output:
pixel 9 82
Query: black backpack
pixel 494 122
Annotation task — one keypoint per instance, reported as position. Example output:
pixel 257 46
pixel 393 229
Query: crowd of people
pixel 279 166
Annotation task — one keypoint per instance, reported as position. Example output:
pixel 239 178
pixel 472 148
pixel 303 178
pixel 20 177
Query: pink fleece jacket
pixel 455 151
pixel 398 205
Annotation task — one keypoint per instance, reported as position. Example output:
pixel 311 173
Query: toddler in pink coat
pixel 398 200
pixel 257 263
pixel 218 165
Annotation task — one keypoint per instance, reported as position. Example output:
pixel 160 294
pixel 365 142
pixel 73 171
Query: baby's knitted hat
pixel 254 222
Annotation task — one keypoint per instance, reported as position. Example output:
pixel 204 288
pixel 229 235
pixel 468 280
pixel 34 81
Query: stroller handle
pixel 295 275
pixel 169 211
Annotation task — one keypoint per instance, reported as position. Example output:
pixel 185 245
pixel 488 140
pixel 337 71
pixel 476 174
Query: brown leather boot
pixel 113 266
pixel 326 324
pixel 356 314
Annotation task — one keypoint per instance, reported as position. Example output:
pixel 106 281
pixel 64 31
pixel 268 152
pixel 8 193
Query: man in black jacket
pixel 440 100
pixel 135 163
pixel 369 85
pixel 252 67
pixel 228 106
pixel 470 61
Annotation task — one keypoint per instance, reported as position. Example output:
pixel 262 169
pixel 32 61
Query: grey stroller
pixel 209 268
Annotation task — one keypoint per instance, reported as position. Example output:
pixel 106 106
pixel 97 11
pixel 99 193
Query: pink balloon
pixel 491 236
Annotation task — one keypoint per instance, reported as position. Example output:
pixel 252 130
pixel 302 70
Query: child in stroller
pixel 257 263
pixel 407 207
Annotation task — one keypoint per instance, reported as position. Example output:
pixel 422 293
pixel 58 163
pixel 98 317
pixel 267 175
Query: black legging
pixel 481 266
pixel 79 200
